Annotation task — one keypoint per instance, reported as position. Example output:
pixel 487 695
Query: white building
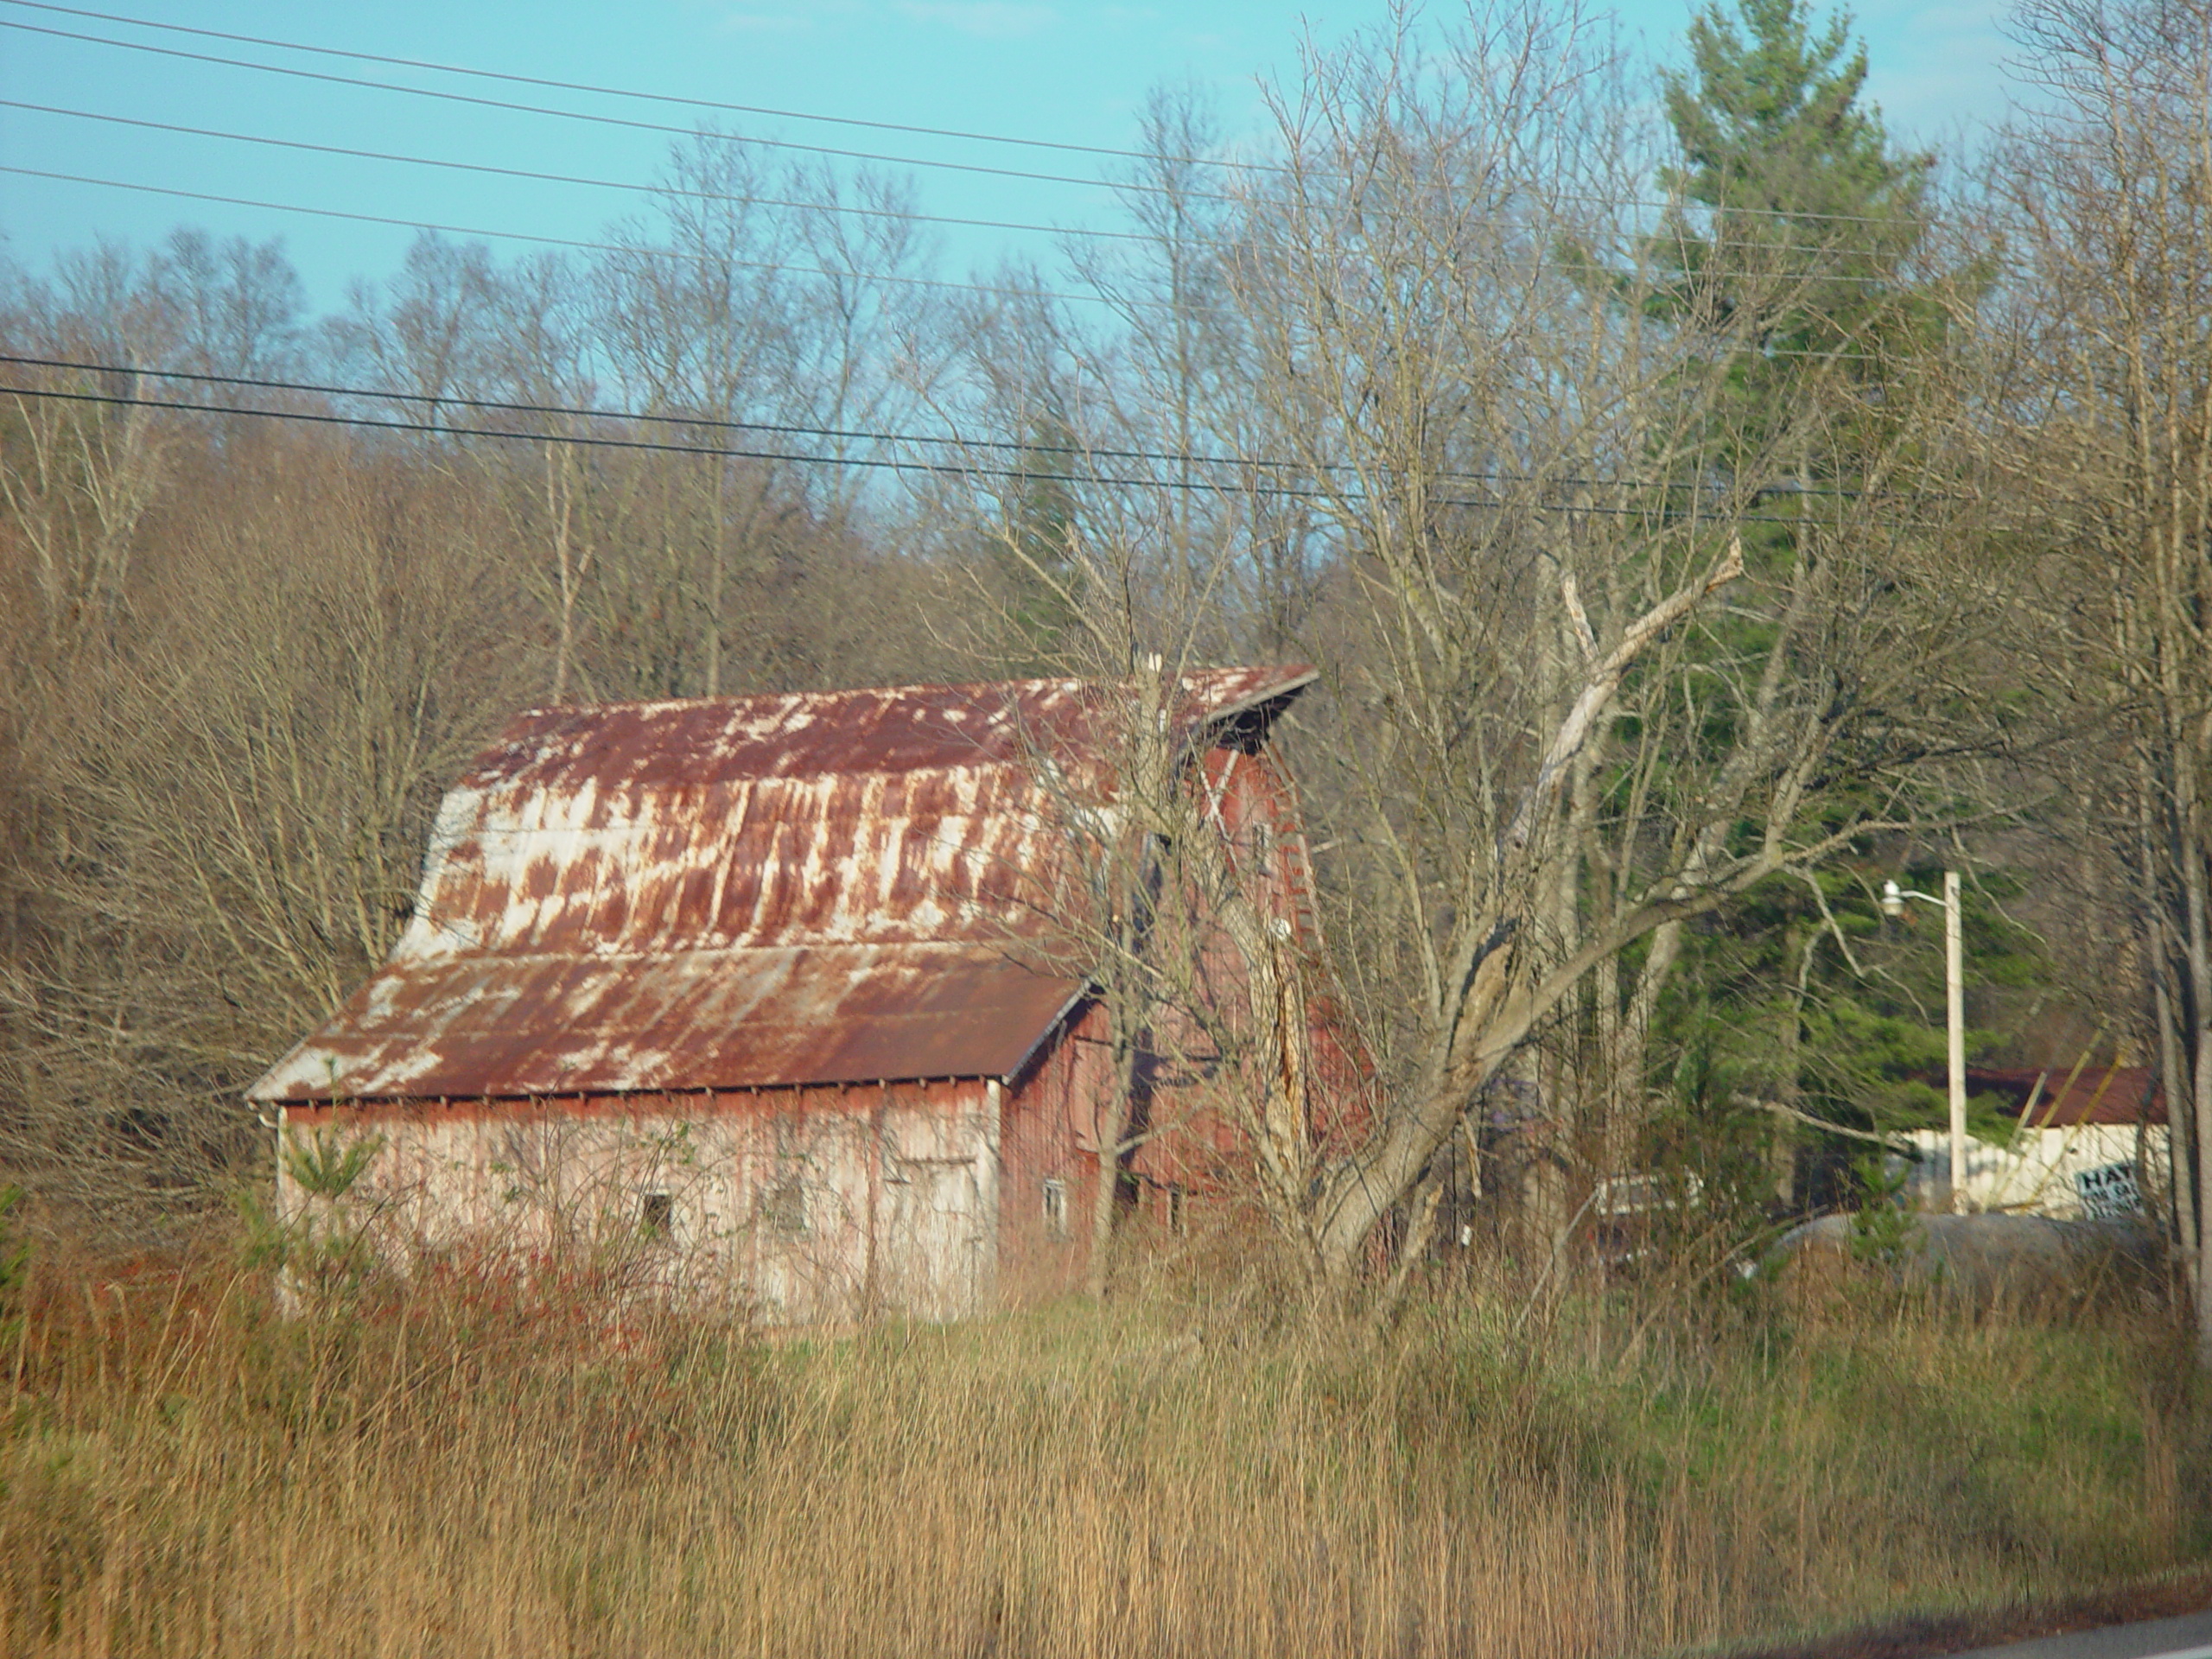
pixel 2093 1144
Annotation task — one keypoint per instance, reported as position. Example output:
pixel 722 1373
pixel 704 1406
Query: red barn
pixel 775 989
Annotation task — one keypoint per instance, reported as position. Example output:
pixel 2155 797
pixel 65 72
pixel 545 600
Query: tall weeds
pixel 479 1467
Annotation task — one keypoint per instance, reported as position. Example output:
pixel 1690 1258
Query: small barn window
pixel 1056 1208
pixel 657 1215
pixel 783 1207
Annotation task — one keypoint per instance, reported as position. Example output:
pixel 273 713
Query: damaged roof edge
pixel 1247 723
pixel 1286 678
pixel 1294 682
pixel 667 1091
pixel 512 1028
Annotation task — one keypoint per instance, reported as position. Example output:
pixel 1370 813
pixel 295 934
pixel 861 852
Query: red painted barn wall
pixel 1050 1135
pixel 1200 1159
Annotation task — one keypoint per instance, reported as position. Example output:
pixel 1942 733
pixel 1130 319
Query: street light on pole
pixel 1954 997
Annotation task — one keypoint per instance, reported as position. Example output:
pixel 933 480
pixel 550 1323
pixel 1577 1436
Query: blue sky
pixel 1033 69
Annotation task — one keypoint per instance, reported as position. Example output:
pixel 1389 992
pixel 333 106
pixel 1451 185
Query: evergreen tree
pixel 1032 555
pixel 1792 248
pixel 1771 124
pixel 1796 219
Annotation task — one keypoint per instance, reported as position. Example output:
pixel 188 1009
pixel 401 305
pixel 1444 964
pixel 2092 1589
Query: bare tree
pixel 426 334
pixel 238 306
pixel 1595 715
pixel 235 804
pixel 544 363
pixel 76 476
pixel 1580 695
pixel 2104 191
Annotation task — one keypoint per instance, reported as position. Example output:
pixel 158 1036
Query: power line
pixel 581 115
pixel 568 411
pixel 486 167
pixel 528 236
pixel 577 440
pixel 875 463
pixel 655 97
pixel 1278 168
pixel 839 434
pixel 754 264
pixel 554 178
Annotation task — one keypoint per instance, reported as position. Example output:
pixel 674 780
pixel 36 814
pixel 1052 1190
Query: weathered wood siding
pixel 789 1205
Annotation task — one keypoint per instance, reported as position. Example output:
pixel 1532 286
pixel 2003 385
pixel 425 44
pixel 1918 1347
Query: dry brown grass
pixel 476 1469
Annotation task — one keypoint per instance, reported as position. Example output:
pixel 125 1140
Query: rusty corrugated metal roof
pixel 823 734
pixel 736 892
pixel 2099 1094
pixel 536 1025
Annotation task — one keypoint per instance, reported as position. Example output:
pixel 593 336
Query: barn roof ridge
pixel 1293 676
pixel 882 731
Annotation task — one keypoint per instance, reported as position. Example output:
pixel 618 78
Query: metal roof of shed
pixel 748 892
pixel 2067 1096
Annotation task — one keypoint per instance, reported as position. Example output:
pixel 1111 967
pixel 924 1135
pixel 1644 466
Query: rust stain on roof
pixel 737 893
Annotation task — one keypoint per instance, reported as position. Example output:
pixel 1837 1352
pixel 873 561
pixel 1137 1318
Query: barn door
pixel 930 1255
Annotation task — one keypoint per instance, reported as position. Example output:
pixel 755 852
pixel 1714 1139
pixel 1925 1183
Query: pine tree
pixel 1796 219
pixel 1772 124
pixel 1032 556
pixel 1792 248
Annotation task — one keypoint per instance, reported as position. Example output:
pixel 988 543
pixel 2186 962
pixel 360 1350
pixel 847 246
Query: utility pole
pixel 1954 1011
pixel 1954 998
